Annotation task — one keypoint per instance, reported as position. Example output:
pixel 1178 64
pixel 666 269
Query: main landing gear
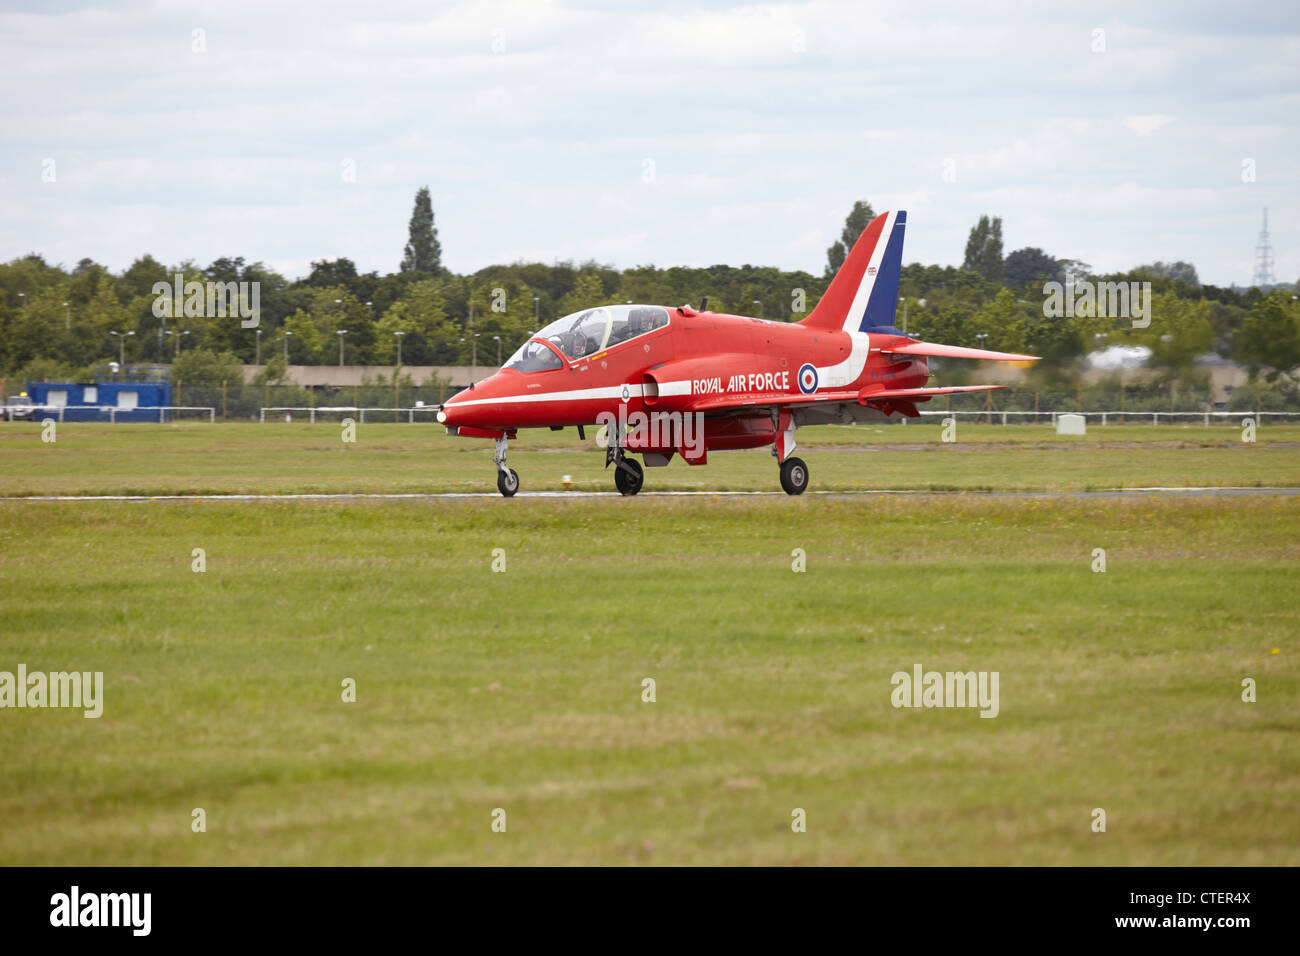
pixel 794 472
pixel 794 476
pixel 507 478
pixel 628 476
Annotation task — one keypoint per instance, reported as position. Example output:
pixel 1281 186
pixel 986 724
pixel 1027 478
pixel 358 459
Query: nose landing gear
pixel 507 478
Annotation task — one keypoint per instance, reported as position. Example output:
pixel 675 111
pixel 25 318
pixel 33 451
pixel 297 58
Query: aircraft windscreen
pixel 585 333
pixel 533 356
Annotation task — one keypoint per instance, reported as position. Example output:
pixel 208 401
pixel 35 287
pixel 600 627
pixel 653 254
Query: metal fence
pixel 112 411
pixel 311 412
pixel 245 402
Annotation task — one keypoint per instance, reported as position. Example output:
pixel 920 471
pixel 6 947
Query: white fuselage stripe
pixel 847 372
pixel 573 395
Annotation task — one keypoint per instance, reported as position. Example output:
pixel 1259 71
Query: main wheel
pixel 794 476
pixel 628 476
pixel 507 482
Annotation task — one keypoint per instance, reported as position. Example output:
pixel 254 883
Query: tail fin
pixel 863 296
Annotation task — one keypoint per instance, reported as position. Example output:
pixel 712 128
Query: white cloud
pixel 1147 124
pixel 760 149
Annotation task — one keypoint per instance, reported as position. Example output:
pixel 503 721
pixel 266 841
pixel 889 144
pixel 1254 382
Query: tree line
pixel 56 322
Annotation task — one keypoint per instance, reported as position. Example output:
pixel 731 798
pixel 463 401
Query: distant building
pixel 136 393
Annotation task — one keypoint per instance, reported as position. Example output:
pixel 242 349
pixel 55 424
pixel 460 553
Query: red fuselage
pixel 699 361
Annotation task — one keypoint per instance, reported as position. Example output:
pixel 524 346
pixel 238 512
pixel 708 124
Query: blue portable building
pixel 130 395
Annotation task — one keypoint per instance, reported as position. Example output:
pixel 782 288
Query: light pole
pixel 287 333
pixel 473 343
pixel 399 346
pixel 258 359
pixel 23 296
pixel 760 307
pixel 903 299
pixel 121 346
pixel 341 332
pixel 981 336
pixel 177 350
pixel 537 321
pixel 67 322
pixel 498 338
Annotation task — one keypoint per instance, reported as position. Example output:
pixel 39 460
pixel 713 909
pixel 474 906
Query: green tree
pixel 274 372
pixel 1180 331
pixel 427 334
pixel 1270 336
pixel 1031 266
pixel 1172 270
pixel 423 254
pixel 1003 322
pixel 304 338
pixel 204 367
pixel 587 291
pixel 984 249
pixel 857 220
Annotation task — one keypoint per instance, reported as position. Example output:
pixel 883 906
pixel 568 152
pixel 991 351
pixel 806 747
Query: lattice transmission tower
pixel 1264 257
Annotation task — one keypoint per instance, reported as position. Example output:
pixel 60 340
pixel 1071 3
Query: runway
pixel 1169 492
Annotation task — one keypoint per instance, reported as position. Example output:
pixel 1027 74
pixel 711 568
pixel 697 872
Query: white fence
pixel 112 410
pixel 993 415
pixel 1106 416
pixel 360 412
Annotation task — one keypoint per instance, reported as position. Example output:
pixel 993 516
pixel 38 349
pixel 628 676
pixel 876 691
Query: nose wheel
pixel 507 478
pixel 794 476
pixel 628 476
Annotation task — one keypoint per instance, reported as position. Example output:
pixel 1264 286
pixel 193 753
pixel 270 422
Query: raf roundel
pixel 807 379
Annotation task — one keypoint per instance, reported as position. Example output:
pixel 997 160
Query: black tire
pixel 507 482
pixel 628 479
pixel 794 476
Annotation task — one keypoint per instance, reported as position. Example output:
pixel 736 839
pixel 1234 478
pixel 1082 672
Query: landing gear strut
pixel 628 476
pixel 507 478
pixel 794 473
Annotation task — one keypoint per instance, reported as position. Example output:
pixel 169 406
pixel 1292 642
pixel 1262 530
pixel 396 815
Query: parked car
pixel 17 406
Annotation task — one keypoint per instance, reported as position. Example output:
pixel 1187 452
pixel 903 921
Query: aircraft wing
pixel 866 395
pixel 955 351
pixel 860 396
pixel 720 403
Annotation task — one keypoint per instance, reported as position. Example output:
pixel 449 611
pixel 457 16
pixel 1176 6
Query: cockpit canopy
pixel 585 333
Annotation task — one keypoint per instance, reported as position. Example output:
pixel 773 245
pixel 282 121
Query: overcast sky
pixel 685 134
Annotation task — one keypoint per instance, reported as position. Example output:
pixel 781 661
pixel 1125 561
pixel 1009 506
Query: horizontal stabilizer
pixel 955 351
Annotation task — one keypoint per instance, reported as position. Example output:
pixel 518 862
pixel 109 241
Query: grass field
pixel 197 458
pixel 522 690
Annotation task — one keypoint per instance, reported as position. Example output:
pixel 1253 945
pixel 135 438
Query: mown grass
pixel 198 458
pixel 523 690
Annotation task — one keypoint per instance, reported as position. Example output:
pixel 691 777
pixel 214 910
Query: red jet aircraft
pixel 668 381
